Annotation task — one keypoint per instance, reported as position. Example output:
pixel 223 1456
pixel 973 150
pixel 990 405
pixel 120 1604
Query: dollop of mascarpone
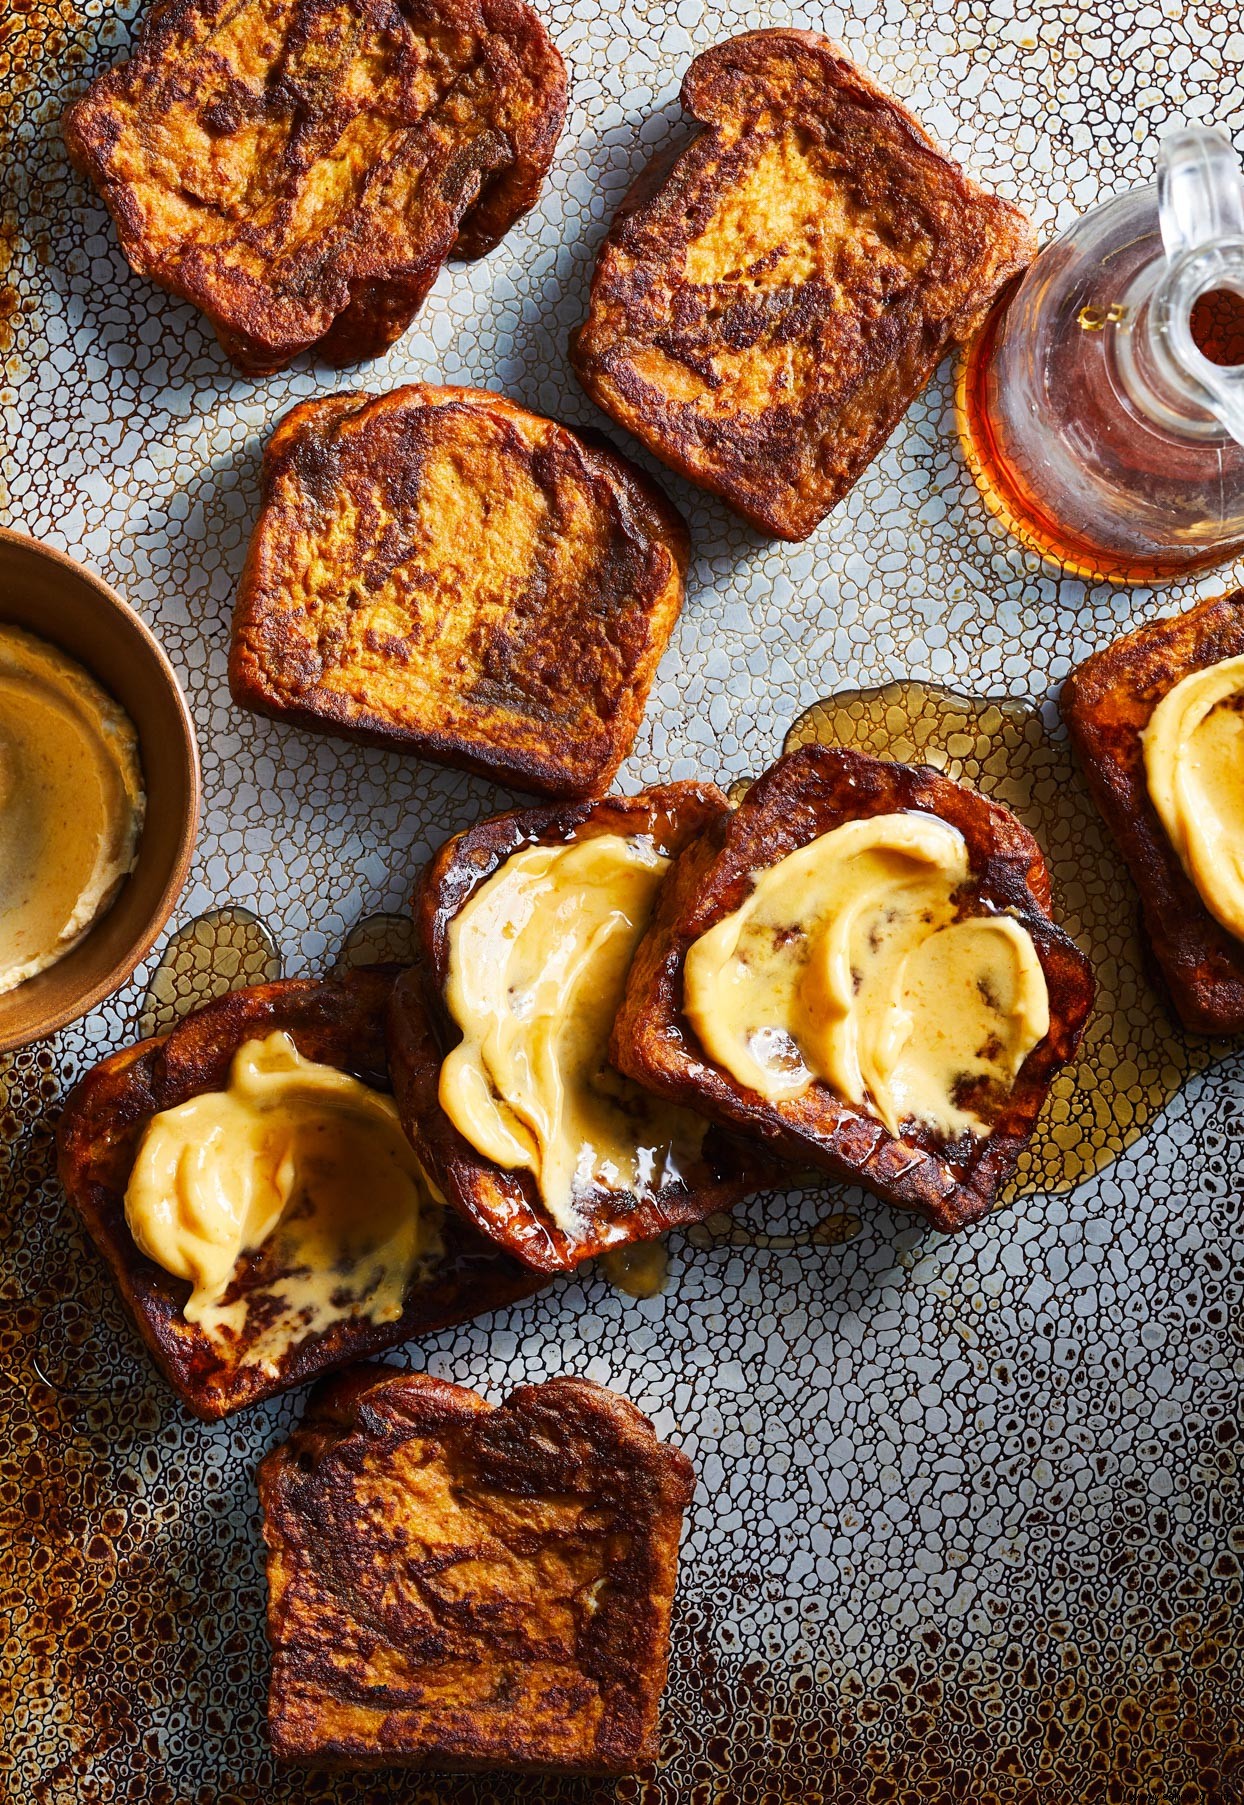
pixel 71 804
pixel 1194 767
pixel 850 963
pixel 537 969
pixel 292 1149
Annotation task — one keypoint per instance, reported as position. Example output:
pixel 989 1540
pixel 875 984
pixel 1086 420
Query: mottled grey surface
pixel 969 1522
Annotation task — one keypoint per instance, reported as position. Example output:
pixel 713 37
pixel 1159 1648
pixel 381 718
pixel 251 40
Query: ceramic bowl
pixel 50 595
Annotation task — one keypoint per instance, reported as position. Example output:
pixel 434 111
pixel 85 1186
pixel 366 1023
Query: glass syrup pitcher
pixel 1102 407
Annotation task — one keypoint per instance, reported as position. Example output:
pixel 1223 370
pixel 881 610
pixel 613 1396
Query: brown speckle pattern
pixel 968 1522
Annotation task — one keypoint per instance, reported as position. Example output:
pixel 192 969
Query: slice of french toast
pixel 441 572
pixel 769 302
pixel 807 795
pixel 457 1586
pixel 337 1022
pixel 301 169
pixel 697 1168
pixel 1107 703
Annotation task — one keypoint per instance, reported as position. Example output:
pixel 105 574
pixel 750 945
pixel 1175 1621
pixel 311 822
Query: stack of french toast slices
pixel 628 1012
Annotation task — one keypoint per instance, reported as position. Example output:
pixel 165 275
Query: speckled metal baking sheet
pixel 969 1522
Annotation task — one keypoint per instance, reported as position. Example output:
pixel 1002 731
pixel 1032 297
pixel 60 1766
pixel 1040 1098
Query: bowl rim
pixel 54 1019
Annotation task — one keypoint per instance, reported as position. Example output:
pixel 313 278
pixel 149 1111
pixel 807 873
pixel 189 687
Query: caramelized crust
pixel 769 303
pixel 804 795
pixel 506 1205
pixel 456 1586
pixel 1107 702
pixel 442 572
pixel 301 169
pixel 336 1021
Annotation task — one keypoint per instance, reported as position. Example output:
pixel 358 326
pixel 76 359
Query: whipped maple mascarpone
pixel 295 1153
pixel 71 804
pixel 850 963
pixel 537 968
pixel 1194 767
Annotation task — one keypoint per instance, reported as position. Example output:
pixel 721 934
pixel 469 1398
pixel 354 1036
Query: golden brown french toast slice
pixel 338 1022
pixel 1107 703
pixel 806 795
pixel 508 1203
pixel 457 1586
pixel 769 303
pixel 301 169
pixel 443 573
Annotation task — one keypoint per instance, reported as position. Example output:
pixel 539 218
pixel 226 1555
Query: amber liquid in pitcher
pixel 1101 405
pixel 1016 504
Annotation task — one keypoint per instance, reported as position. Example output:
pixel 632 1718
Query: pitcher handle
pixel 1200 189
pixel 1201 210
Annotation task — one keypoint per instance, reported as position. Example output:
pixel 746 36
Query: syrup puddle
pixel 381 939
pixel 640 1270
pixel 835 1228
pixel 1133 1059
pixel 230 948
pixel 225 949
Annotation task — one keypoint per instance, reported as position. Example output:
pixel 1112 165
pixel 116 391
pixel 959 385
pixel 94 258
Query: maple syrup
pixel 380 939
pixel 639 1269
pixel 1217 325
pixel 225 949
pixel 1101 405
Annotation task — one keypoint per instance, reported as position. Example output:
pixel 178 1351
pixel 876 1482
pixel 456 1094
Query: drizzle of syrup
pixel 380 939
pixel 836 1229
pixel 230 948
pixel 743 1227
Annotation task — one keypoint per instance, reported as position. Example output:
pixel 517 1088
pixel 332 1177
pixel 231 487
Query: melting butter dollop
pixel 847 964
pixel 294 1149
pixel 537 968
pixel 71 804
pixel 1194 767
